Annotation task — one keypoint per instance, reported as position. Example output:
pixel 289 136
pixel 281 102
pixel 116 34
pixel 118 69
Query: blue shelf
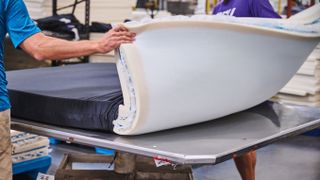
pixel 32 167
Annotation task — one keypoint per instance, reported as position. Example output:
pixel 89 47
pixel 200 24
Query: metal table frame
pixel 206 143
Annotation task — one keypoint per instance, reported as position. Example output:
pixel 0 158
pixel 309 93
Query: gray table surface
pixel 206 143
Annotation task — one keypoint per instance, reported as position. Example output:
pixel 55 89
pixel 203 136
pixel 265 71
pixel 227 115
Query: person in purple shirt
pixel 246 8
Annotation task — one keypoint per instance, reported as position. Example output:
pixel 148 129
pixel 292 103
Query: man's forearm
pixel 61 49
pixel 43 47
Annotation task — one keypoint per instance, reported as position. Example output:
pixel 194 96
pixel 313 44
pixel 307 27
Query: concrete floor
pixel 296 158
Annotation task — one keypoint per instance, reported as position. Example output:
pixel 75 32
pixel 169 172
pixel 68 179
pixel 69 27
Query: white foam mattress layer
pixel 182 71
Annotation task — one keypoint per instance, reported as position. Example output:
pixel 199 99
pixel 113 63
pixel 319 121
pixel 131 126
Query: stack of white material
pixel 304 87
pixel 26 146
pixel 108 11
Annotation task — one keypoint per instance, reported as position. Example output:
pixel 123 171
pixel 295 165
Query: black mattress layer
pixel 83 96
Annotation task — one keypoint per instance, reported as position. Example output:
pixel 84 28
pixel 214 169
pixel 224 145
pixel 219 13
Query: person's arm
pixel 262 8
pixel 25 34
pixel 42 47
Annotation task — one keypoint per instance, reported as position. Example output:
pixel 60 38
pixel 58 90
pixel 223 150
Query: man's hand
pixel 114 38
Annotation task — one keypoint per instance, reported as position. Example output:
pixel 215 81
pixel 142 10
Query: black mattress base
pixel 83 96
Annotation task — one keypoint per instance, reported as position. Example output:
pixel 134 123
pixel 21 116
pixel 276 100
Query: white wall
pixel 109 11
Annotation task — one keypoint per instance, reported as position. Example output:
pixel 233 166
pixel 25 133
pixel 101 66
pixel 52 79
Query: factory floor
pixel 296 158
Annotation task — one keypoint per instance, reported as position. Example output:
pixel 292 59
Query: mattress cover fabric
pixel 81 96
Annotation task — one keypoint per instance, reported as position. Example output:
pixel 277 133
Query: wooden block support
pixel 125 163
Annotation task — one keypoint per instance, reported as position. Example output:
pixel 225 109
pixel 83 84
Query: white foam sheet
pixel 182 71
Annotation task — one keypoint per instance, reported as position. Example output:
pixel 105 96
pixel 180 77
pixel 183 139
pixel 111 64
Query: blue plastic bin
pixel 31 168
pixel 104 151
pixel 54 141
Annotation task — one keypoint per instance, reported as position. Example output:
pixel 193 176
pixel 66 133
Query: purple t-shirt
pixel 246 8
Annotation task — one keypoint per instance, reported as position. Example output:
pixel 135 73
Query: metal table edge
pixel 174 157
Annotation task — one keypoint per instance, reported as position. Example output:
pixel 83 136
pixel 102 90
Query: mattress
pixel 168 80
pixel 80 96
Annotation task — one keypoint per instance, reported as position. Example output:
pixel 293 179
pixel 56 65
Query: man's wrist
pixel 96 47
